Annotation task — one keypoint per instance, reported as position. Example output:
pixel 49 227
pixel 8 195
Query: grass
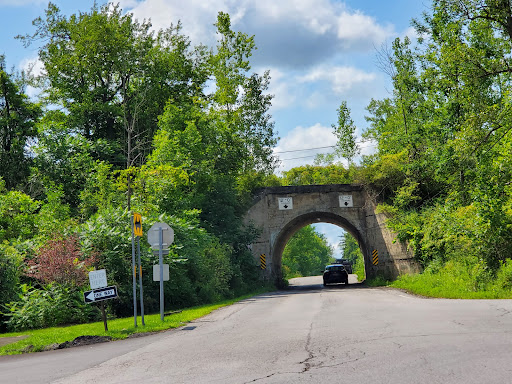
pixel 455 280
pixel 117 328
pixel 442 286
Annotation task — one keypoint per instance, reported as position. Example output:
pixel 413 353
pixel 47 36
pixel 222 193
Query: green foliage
pixel 103 66
pixel 65 158
pixel 345 132
pixel 100 190
pixel 466 278
pixel 504 276
pixel 204 275
pixel 17 215
pixel 138 128
pixel 17 120
pixel 317 175
pixel 306 253
pixel 444 136
pixel 11 270
pixel 23 218
pixel 352 252
pixel 46 307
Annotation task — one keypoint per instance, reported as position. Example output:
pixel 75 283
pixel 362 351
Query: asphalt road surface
pixel 308 334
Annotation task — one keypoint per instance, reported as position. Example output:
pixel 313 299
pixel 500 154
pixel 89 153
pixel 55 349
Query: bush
pixel 207 273
pixel 504 275
pixel 60 260
pixel 50 306
pixel 11 268
pixel 17 215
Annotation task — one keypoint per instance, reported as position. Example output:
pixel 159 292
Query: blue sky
pixel 319 53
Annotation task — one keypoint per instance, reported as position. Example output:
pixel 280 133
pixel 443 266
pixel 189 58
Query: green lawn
pixel 117 328
pixel 443 285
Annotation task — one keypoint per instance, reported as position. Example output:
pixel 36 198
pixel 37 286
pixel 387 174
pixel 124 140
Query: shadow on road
pixel 335 287
pixel 309 285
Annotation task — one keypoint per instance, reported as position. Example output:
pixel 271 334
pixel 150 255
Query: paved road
pixel 308 334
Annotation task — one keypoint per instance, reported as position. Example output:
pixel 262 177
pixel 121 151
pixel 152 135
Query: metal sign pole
pixel 104 316
pixel 161 262
pixel 134 280
pixel 140 284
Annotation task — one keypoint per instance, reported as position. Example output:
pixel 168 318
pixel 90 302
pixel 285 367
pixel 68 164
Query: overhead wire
pixel 314 155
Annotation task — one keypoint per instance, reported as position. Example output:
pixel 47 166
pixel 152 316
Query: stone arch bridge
pixel 278 212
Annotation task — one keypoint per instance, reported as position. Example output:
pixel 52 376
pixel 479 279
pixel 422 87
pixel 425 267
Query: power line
pixel 328 146
pixel 306 149
pixel 307 157
pixel 304 157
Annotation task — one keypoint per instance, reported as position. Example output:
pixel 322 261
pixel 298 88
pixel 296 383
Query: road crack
pixel 307 347
pixel 268 376
pixel 262 378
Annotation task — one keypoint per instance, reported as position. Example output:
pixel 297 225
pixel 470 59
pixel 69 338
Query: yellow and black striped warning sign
pixel 263 261
pixel 137 224
pixel 375 257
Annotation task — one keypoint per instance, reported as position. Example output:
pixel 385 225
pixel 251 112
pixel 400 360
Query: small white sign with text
pixel 346 201
pixel 285 203
pixel 98 279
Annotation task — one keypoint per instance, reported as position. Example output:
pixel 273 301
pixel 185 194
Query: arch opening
pixel 298 222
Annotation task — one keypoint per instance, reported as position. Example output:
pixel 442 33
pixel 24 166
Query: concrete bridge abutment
pixel 278 212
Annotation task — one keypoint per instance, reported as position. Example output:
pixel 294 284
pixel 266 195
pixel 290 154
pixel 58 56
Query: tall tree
pixel 112 74
pixel 113 77
pixel 220 137
pixel 306 253
pixel 345 131
pixel 18 116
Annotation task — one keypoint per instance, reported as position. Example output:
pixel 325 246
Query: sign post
pixel 101 294
pixel 134 272
pixel 99 291
pixel 137 232
pixel 161 264
pixel 160 236
pixel 141 290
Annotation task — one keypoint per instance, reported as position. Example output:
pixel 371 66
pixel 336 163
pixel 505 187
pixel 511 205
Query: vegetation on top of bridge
pixel 139 127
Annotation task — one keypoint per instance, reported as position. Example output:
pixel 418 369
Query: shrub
pixel 504 275
pixel 17 215
pixel 11 268
pixel 61 261
pixel 50 306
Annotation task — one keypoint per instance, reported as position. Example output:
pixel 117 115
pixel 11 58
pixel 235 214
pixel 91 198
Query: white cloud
pixel 197 16
pixel 368 148
pixel 411 33
pixel 281 88
pixel 341 79
pixel 34 67
pixel 315 99
pixel 288 33
pixel 294 149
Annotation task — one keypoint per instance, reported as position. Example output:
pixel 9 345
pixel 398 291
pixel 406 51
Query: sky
pixel 319 53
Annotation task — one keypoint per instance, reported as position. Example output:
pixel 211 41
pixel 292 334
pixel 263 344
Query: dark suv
pixel 335 273
pixel 346 263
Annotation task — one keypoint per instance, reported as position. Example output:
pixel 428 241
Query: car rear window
pixel 335 268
